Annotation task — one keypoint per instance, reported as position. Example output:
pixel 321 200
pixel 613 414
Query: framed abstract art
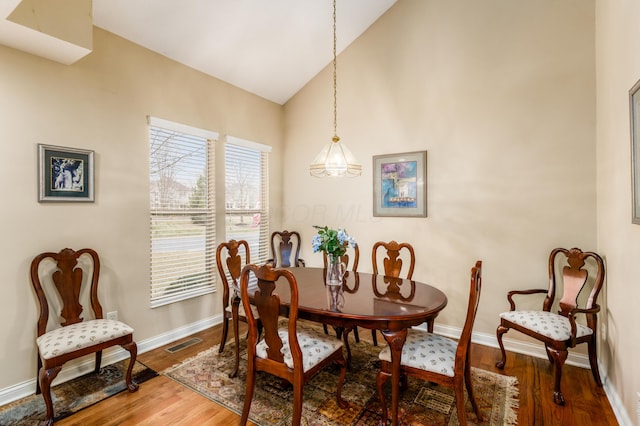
pixel 400 184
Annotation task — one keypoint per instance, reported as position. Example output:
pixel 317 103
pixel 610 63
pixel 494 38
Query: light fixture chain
pixel 335 77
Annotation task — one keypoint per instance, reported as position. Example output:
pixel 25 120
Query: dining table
pixel 390 305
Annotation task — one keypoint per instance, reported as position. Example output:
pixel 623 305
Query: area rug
pixel 74 395
pixel 422 403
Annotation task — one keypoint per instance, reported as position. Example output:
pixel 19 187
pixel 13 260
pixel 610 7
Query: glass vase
pixel 335 270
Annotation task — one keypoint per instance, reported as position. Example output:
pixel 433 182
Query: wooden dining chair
pixel 561 331
pixel 392 264
pixel 235 254
pixel 67 335
pixel 293 354
pixel 283 244
pixel 439 359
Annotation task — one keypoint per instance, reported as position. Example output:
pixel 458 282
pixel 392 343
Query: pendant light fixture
pixel 335 159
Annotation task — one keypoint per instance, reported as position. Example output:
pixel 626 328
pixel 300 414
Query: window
pixel 247 195
pixel 182 212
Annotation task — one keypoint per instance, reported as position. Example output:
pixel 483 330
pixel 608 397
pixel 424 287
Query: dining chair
pixel 235 254
pixel 67 335
pixel 562 330
pixel 283 244
pixel 439 359
pixel 392 264
pixel 286 351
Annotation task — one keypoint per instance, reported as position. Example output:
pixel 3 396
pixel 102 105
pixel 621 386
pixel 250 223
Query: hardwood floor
pixel 161 401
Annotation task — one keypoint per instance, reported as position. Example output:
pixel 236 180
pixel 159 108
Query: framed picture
pixel 400 184
pixel 64 174
pixel 634 105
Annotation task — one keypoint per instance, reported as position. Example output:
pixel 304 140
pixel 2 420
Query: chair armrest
pixel 572 320
pixel 512 293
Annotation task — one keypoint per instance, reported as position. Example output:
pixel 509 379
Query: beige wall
pixel 101 103
pixel 501 95
pixel 618 69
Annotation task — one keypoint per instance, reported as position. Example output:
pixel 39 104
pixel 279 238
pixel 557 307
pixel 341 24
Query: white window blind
pixel 182 212
pixel 247 195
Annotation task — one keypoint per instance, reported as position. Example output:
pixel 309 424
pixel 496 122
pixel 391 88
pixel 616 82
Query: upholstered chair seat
pixel 554 326
pixel 315 347
pixel 80 336
pixel 426 351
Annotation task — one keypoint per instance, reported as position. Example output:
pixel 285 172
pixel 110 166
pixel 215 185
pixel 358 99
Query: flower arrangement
pixel 331 241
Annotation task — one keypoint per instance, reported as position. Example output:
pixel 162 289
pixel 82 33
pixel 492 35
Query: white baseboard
pixel 72 369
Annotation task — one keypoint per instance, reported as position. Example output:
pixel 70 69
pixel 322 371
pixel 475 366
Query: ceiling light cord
pixel 335 159
pixel 335 78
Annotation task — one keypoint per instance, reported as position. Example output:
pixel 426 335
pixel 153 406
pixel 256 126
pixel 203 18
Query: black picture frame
pixel 65 174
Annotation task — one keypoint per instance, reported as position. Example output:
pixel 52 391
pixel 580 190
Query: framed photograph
pixel 634 106
pixel 64 174
pixel 400 184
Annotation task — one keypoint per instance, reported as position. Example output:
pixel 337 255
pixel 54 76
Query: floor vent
pixel 185 344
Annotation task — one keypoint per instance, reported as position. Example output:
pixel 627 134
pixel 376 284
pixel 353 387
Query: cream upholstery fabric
pixel 548 324
pixel 314 345
pixel 426 351
pixel 81 335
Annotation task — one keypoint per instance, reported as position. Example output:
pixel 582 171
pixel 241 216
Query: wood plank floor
pixel 161 401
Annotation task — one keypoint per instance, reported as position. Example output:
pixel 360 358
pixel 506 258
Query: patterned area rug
pixel 421 403
pixel 74 395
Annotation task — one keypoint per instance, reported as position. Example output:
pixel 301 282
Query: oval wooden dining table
pixel 391 305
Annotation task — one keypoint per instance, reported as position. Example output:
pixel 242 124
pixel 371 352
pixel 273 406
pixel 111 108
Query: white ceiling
pixel 271 48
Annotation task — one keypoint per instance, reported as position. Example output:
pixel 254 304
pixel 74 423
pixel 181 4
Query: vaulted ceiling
pixel 271 48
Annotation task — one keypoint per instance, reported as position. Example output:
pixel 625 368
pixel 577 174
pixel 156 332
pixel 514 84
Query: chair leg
pixel 499 332
pixel 251 381
pixel 593 361
pixel 469 385
pixel 45 378
pixel 98 362
pixel 296 415
pixel 225 331
pixel 39 366
pixel 343 373
pixel 459 393
pixel 374 337
pixel 345 339
pixel 236 341
pixel 381 378
pixel 355 334
pixel 559 357
pixel 132 348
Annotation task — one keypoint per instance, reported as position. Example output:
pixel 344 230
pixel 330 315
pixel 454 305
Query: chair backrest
pixel 393 262
pixel 67 277
pixel 571 267
pixel 235 254
pixel 267 303
pixel 464 343
pixel 282 246
pixel 345 258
